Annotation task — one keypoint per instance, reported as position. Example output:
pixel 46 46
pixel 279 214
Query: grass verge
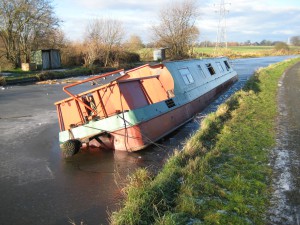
pixel 222 174
pixel 234 52
pixel 33 76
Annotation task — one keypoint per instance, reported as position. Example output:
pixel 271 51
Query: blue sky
pixel 254 20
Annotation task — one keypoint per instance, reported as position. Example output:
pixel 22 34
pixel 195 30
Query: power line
pixel 221 41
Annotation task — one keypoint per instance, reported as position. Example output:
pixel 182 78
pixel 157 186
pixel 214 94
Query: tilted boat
pixel 137 107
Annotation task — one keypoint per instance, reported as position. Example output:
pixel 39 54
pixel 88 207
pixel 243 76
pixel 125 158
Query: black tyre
pixel 70 147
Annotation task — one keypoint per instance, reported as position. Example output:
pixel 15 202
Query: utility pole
pixel 221 33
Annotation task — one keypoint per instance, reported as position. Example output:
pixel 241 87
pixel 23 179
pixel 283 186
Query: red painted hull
pixel 141 135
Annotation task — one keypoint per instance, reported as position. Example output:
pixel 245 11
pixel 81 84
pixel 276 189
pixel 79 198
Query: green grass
pixel 222 174
pixel 146 54
pixel 250 48
pixel 34 76
pixel 244 51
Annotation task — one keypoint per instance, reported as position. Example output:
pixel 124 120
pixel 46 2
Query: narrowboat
pixel 129 110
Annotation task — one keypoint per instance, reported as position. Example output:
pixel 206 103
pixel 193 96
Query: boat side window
pixel 210 69
pixel 220 67
pixel 201 71
pixel 227 65
pixel 186 75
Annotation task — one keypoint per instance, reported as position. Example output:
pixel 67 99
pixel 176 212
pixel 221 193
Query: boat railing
pixel 77 98
pixel 109 99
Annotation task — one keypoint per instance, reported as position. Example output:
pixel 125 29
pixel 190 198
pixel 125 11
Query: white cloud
pixel 247 20
pixel 250 32
pixel 287 32
pixel 120 4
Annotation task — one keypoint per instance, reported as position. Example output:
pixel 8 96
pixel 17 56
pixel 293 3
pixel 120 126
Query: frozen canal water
pixel 37 186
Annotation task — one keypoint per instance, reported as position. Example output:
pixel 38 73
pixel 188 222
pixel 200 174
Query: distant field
pixel 231 52
pixel 236 48
pixel 250 48
pixel 243 49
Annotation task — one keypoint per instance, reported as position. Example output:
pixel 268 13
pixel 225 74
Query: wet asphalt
pixel 38 186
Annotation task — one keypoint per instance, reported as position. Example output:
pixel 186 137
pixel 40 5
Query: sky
pixel 254 20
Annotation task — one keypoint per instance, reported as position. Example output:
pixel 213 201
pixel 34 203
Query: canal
pixel 38 186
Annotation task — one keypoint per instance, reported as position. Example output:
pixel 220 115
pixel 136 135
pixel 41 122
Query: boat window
pixel 220 67
pixel 227 65
pixel 201 71
pixel 186 75
pixel 210 69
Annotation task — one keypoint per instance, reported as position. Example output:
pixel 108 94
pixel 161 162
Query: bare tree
pixel 91 52
pixel 295 40
pixel 103 35
pixel 281 46
pixel 177 29
pixel 72 53
pixel 134 43
pixel 23 23
pixel 54 39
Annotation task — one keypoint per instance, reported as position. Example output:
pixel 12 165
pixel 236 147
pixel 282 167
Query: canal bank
pixel 223 173
pixel 39 187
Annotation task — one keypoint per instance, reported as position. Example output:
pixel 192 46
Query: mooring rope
pixel 145 136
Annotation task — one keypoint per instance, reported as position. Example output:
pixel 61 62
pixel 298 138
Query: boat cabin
pixel 133 89
pixel 182 81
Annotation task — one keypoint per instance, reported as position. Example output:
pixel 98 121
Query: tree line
pixel 26 25
pixel 295 41
pixel 29 25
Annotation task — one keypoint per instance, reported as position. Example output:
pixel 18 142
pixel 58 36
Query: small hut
pixel 159 54
pixel 46 59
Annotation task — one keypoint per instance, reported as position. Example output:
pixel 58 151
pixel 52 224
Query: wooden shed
pixel 46 59
pixel 159 54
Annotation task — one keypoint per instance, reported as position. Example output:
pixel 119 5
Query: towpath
pixel 286 156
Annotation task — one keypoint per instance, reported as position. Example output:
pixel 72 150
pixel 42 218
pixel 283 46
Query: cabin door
pixel 133 94
pixel 46 60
